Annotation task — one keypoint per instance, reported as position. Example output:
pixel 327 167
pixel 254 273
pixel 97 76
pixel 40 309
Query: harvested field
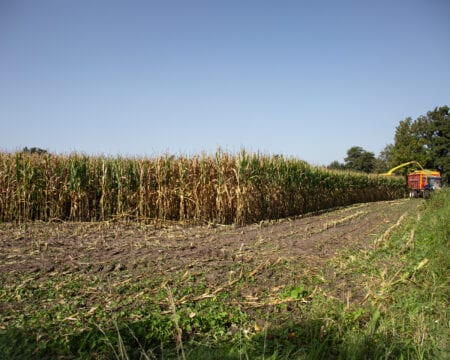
pixel 79 275
pixel 42 248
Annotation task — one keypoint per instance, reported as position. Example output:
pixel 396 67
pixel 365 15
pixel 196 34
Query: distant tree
pixel 384 161
pixel 439 145
pixel 409 143
pixel 426 140
pixel 360 160
pixel 34 150
pixel 336 165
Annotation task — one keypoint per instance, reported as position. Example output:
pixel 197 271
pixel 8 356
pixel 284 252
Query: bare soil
pixel 60 278
pixel 212 250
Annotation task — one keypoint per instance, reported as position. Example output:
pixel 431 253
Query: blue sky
pixel 307 79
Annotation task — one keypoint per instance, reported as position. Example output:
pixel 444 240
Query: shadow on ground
pixel 306 340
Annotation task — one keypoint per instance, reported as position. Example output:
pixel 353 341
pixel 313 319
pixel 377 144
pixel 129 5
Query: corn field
pixel 222 188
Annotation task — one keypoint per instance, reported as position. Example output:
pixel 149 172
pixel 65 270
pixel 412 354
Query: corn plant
pixel 224 188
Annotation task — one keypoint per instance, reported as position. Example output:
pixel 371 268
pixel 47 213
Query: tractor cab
pixel 434 182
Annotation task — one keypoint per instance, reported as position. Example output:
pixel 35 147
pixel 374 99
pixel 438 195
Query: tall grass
pixel 224 188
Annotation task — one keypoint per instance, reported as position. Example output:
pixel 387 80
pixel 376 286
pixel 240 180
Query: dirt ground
pixel 64 277
pixel 115 246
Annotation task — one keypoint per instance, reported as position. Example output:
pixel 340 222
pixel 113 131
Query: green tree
pixel 426 140
pixel 360 160
pixel 384 161
pixel 439 130
pixel 336 165
pixel 410 143
pixel 34 150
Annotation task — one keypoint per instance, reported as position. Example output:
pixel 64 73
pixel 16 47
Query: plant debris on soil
pixel 93 269
pixel 42 248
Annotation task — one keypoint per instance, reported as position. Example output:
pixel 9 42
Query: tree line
pixel 425 139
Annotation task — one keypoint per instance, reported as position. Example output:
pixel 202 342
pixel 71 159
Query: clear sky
pixel 301 78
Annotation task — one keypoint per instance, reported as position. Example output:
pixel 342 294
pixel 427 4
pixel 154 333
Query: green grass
pixel 393 305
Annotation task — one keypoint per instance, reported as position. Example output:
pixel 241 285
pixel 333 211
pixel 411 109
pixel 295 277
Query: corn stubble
pixel 221 188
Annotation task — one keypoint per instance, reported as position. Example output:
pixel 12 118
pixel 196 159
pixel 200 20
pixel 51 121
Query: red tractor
pixel 420 182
